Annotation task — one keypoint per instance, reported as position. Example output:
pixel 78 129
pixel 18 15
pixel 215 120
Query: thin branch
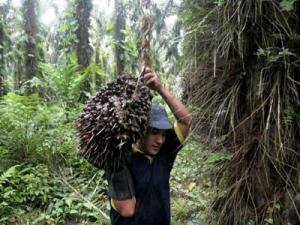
pixel 83 197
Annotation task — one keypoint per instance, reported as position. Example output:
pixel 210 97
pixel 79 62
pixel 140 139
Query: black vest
pixel 151 182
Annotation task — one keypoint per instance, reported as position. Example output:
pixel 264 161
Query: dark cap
pixel 159 118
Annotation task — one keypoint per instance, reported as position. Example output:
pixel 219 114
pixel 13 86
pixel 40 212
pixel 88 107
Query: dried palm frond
pixel 246 95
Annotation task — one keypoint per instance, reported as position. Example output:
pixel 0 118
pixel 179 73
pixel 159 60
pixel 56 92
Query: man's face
pixel 153 141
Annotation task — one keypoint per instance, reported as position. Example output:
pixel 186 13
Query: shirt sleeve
pixel 120 184
pixel 178 133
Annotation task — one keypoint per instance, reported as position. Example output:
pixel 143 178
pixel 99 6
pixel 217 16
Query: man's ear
pixel 138 144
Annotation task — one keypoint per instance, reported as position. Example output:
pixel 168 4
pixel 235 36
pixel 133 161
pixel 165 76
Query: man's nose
pixel 160 139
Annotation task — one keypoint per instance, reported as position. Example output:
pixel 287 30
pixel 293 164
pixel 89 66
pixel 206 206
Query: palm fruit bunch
pixel 112 120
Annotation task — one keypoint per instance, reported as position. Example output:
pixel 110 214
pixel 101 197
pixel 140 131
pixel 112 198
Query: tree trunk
pixel 5 47
pixel 2 88
pixel 98 62
pixel 242 66
pixel 84 50
pixel 18 73
pixel 30 27
pixel 120 23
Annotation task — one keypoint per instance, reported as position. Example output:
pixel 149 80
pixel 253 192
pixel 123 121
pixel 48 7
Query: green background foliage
pixel 42 178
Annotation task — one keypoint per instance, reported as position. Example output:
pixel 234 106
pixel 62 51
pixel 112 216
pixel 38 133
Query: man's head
pixel 155 136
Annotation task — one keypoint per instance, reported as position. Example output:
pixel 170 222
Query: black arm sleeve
pixel 120 184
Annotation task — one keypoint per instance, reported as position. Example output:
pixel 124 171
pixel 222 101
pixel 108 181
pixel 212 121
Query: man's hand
pixel 181 113
pixel 151 79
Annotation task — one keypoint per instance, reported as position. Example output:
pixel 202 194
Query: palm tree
pixel 2 57
pixel 242 73
pixel 119 27
pixel 84 50
pixel 30 27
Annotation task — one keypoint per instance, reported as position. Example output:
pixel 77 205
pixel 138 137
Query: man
pixel 140 192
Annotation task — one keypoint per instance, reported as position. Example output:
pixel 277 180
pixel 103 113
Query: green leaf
pixel 277 206
pixel 10 172
pixel 286 52
pixel 109 26
pixel 287 5
pixel 87 205
pixel 261 52
pixel 274 58
pixel 74 211
pixel 269 221
pixel 251 222
pixel 69 201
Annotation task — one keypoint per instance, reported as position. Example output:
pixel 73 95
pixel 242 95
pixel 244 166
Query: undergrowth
pixel 192 183
pixel 43 181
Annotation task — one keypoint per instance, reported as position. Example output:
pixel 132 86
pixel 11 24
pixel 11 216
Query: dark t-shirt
pixel 151 182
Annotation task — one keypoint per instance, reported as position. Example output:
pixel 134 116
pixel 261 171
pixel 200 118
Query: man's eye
pixel 154 131
pixel 157 131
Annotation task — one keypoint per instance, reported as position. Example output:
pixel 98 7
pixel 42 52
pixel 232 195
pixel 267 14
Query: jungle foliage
pixel 238 63
pixel 46 72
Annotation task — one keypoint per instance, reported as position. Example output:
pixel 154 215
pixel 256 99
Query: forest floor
pixel 192 189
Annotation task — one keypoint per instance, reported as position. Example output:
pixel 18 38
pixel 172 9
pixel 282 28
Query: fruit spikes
pixel 112 120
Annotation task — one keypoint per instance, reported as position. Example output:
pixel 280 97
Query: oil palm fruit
pixel 112 120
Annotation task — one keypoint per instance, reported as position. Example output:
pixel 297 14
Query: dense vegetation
pixel 234 63
pixel 47 72
pixel 243 80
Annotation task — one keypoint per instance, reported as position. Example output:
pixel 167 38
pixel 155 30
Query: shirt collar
pixel 135 149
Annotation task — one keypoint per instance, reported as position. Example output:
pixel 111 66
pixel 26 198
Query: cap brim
pixel 161 125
